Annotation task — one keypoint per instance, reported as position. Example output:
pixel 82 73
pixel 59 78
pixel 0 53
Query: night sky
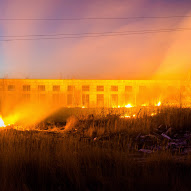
pixel 146 56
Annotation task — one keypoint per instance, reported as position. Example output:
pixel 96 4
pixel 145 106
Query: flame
pixel 125 116
pixel 7 121
pixel 128 116
pixel 152 114
pixel 11 119
pixel 158 104
pixel 2 124
pixel 128 105
pixel 122 106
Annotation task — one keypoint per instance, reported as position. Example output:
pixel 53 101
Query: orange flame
pixel 158 104
pixel 128 105
pixel 2 124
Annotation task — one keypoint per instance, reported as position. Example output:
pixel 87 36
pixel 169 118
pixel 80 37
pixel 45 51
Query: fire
pixel 128 116
pixel 2 124
pixel 128 105
pixel 125 116
pixel 158 104
pixel 7 121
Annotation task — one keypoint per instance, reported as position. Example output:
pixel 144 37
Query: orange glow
pixel 128 105
pixel 7 121
pixel 128 116
pixel 121 106
pixel 152 114
pixel 2 124
pixel 11 119
pixel 158 104
pixel 125 116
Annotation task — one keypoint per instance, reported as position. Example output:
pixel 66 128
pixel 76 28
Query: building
pixel 92 93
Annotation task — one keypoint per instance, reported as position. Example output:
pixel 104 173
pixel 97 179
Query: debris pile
pixel 161 138
pixel 165 138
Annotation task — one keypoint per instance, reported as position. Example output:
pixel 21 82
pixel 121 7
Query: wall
pixel 75 93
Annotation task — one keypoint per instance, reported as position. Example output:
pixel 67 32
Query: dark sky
pixel 145 56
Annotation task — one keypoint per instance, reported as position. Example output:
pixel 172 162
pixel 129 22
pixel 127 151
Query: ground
pixel 77 149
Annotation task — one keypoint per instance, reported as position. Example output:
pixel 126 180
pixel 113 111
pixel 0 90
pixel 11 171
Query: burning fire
pixel 158 104
pixel 7 121
pixel 128 116
pixel 128 105
pixel 122 106
pixel 133 116
pixel 2 124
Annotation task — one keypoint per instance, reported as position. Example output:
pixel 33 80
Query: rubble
pixel 166 138
pixel 159 138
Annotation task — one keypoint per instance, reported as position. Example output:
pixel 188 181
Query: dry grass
pixel 42 160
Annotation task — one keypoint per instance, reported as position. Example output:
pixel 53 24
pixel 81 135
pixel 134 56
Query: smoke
pixel 28 114
pixel 121 57
pixel 71 123
pixel 176 63
pixel 17 55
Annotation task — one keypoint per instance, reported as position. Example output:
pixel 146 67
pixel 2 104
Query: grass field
pixel 77 149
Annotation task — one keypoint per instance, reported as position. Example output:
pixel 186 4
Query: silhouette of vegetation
pixel 99 152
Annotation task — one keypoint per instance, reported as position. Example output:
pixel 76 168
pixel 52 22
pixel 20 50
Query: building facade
pixel 92 93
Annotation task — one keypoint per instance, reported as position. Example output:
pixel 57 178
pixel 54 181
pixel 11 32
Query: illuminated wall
pixel 92 93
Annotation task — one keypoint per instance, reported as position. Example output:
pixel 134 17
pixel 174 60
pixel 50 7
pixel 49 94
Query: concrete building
pixel 91 93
